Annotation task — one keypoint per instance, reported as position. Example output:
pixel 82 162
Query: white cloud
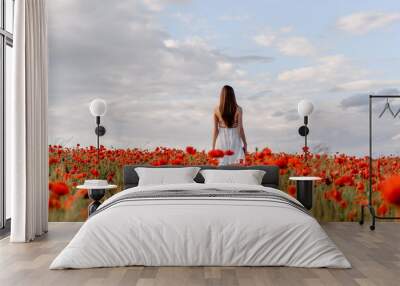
pixel 396 137
pixel 296 46
pixel 170 43
pixel 329 69
pixel 190 42
pixel 367 85
pixel 265 40
pixel 224 67
pixel 290 46
pixel 364 22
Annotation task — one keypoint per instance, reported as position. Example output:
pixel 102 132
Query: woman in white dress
pixel 228 132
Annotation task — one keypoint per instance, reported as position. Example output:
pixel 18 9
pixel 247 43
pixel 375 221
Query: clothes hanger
pixel 387 107
pixel 397 113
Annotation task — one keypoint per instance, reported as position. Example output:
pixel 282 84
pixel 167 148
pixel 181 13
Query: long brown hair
pixel 228 105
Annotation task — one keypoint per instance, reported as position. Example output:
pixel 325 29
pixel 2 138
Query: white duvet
pixel 200 231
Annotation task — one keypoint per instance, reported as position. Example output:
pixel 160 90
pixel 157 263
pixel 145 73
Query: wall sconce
pixel 305 108
pixel 98 108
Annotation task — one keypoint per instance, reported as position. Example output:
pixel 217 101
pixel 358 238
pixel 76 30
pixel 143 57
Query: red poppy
pixel 53 160
pixel 391 190
pixel 81 193
pixel 344 181
pixel 69 201
pixel 351 216
pixel 190 150
pixel 336 195
pixel 259 155
pixel 267 151
pixel 94 172
pixel 343 204
pixel 229 152
pixel 291 190
pixel 382 209
pixel 216 153
pixel 360 187
pixel 59 188
pixel 177 161
pixel 281 162
pixel 305 171
pixel 80 176
pixel 54 203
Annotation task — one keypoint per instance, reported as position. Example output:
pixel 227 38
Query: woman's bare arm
pixel 215 131
pixel 241 131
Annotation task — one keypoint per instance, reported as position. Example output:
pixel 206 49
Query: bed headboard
pixel 270 179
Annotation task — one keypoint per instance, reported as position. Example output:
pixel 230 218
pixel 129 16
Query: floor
pixel 375 257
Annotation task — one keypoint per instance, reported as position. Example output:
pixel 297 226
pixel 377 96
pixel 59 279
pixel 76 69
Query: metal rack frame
pixel 370 206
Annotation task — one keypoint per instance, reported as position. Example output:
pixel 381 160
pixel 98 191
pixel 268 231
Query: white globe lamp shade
pixel 305 108
pixel 98 107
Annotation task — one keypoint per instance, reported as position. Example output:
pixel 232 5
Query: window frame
pixel 6 39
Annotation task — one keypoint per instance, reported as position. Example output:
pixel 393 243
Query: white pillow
pixel 165 176
pixel 248 177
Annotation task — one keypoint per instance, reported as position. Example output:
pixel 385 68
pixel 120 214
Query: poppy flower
pixel 54 203
pixel 190 150
pixel 343 204
pixel 360 187
pixel 94 172
pixel 81 193
pixel 69 201
pixel 216 153
pixel 267 151
pixel 336 195
pixel 351 216
pixel 382 209
pixel 344 181
pixel 291 190
pixel 53 161
pixel 177 161
pixel 229 152
pixel 305 171
pixel 59 188
pixel 281 162
pixel 391 190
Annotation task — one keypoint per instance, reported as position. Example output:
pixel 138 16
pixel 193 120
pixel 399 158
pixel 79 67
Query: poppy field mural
pixel 337 197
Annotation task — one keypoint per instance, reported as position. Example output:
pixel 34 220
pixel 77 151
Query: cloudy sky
pixel 160 65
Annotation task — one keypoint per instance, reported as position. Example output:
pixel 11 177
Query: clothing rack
pixel 370 206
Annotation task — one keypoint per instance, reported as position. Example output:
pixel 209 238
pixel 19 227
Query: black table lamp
pixel 98 108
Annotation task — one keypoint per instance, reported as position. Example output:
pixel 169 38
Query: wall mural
pixel 160 65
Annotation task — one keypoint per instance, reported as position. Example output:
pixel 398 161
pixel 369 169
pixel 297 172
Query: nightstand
pixel 96 191
pixel 304 186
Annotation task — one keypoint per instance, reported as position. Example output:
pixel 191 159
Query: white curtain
pixel 28 157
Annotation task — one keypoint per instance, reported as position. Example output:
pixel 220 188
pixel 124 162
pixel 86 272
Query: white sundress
pixel 229 139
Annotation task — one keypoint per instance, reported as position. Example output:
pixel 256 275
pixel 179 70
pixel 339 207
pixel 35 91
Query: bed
pixel 201 224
